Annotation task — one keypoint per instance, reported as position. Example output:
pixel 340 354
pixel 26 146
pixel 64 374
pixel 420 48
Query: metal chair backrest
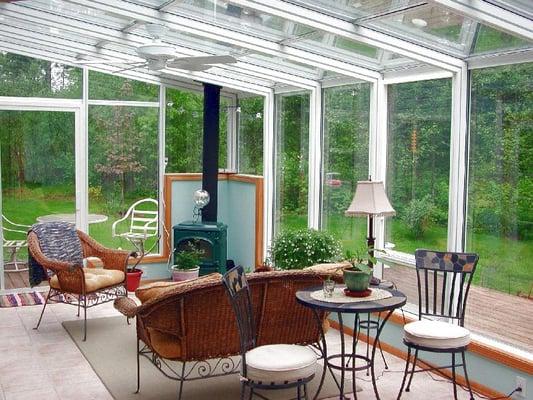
pixel 239 294
pixel 444 280
pixel 144 221
pixel 10 226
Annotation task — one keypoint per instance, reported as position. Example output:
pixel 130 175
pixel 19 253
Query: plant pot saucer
pixel 354 293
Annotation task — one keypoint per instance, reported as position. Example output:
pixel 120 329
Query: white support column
pixel 458 160
pixel 378 154
pixel 82 156
pixel 162 164
pixel 269 174
pixel 232 127
pixel 315 158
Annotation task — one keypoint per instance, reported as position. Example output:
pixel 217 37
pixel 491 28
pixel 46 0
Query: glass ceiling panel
pixel 491 40
pixel 350 10
pixel 433 24
pixel 241 19
pixel 82 13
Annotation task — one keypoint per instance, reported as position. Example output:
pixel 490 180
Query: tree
pixel 121 144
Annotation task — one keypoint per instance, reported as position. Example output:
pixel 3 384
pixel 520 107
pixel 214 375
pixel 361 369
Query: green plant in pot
pixel 357 276
pixel 187 263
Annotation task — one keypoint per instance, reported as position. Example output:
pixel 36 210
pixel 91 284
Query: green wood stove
pixel 209 237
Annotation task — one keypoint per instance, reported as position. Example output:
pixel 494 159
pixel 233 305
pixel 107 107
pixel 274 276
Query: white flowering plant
pixel 302 248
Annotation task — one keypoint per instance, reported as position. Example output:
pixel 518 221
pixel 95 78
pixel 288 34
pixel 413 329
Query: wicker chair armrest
pixel 48 263
pixel 126 306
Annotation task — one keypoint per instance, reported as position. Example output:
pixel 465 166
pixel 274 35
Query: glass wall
pixel 123 155
pixel 30 77
pixel 184 131
pixel 292 161
pixel 250 135
pixel 500 191
pixel 418 166
pixel 345 159
pixel 38 178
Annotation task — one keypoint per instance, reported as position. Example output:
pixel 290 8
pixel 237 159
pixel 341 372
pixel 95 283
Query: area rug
pixel 22 299
pixel 110 349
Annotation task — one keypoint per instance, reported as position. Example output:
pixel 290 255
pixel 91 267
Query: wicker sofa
pixel 193 321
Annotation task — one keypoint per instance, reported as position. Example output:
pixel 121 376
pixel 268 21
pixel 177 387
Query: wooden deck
pixel 498 316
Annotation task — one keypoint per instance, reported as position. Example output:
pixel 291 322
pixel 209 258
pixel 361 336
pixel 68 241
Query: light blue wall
pixel 481 370
pixel 236 209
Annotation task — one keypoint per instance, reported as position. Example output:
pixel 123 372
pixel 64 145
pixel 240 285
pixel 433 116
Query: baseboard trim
pixel 476 387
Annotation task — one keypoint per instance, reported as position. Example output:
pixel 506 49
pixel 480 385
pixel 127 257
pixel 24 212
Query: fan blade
pixel 190 67
pixel 175 63
pixel 137 65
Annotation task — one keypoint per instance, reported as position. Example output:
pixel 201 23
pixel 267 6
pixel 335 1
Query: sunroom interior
pixel 432 98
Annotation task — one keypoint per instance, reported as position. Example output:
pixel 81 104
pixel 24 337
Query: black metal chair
pixel 444 280
pixel 274 366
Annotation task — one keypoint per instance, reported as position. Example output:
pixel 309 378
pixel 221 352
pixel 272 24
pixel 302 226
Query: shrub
pixel 302 248
pixel 418 215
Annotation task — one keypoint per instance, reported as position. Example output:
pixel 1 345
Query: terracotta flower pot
pixel 355 280
pixel 184 274
pixel 133 279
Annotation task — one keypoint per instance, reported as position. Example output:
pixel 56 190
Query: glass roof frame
pixel 287 56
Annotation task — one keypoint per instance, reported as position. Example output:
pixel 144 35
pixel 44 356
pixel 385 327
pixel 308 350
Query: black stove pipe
pixel 210 150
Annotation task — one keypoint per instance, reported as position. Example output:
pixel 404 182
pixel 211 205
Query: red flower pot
pixel 133 279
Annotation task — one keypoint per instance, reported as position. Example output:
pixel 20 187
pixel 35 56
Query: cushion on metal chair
pixel 280 363
pixel 95 279
pixel 436 334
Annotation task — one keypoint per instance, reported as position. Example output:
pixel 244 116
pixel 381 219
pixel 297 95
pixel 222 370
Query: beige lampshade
pixel 370 199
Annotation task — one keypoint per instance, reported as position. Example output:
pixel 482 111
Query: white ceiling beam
pixel 107 35
pixel 492 15
pixel 350 31
pixel 221 34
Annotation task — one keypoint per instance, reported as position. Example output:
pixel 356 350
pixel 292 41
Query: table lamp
pixel 370 200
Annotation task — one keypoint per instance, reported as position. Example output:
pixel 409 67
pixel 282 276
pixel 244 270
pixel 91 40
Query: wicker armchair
pixel 193 322
pixel 84 287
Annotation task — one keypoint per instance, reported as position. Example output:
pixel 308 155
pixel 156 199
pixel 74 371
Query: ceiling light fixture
pixel 419 22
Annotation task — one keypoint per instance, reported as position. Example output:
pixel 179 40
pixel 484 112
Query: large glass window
pixel 418 164
pixel 30 77
pixel 346 118
pixel 184 131
pixel 38 178
pixel 500 192
pixel 111 87
pixel 250 139
pixel 123 161
pixel 292 161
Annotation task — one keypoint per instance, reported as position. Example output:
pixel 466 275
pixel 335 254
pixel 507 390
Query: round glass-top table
pixel 308 298
pixel 71 218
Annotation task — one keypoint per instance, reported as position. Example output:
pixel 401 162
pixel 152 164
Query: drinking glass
pixel 329 287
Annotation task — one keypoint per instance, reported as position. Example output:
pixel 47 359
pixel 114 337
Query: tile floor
pixel 46 364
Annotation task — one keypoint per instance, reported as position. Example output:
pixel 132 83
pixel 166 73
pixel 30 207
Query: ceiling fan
pixel 158 55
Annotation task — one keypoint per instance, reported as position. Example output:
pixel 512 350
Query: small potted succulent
pixel 187 263
pixel 357 276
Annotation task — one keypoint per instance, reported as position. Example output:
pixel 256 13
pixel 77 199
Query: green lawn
pixel 24 206
pixel 505 264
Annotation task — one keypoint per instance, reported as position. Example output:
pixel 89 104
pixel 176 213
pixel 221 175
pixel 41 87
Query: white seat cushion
pixel 278 363
pixel 95 279
pixel 436 334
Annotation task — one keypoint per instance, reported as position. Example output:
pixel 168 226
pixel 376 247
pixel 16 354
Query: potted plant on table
pixel 187 263
pixel 133 278
pixel 357 276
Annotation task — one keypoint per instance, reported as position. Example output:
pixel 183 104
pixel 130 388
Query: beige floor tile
pixel 22 379
pixel 40 393
pixel 87 391
pixel 9 318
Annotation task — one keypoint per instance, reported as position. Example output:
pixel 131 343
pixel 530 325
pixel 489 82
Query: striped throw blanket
pixel 58 241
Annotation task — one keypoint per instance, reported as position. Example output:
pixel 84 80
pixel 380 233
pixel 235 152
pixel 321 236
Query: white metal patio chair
pixel 143 225
pixel 13 246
